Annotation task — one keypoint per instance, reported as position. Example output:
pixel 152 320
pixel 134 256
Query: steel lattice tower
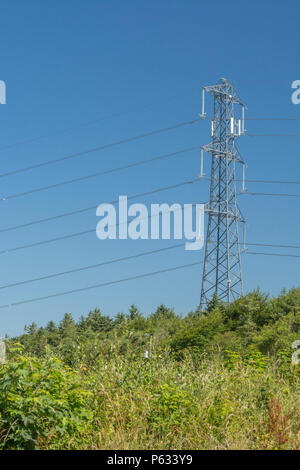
pixel 222 272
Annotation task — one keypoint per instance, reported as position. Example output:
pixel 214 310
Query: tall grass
pixel 165 404
pixel 130 402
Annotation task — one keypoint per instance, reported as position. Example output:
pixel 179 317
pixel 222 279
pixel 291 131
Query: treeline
pixel 255 321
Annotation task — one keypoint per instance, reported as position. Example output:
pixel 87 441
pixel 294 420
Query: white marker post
pixel 2 351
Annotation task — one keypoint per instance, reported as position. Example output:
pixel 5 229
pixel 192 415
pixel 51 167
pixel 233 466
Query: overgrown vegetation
pixel 219 379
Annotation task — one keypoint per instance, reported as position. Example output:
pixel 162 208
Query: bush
pixel 42 404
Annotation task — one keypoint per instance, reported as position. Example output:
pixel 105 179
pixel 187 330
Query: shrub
pixel 41 404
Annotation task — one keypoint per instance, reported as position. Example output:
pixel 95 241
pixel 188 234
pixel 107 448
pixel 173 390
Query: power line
pixel 271 254
pixel 100 173
pixel 92 266
pixel 86 232
pixel 272 245
pixel 106 146
pixel 130 165
pixel 138 255
pixel 122 113
pixel 75 234
pixel 94 121
pixel 272 135
pixel 95 286
pixel 269 181
pixel 45 242
pixel 271 119
pixel 269 194
pixel 262 119
pixel 101 147
pixel 105 284
pixel 257 181
pixel 85 209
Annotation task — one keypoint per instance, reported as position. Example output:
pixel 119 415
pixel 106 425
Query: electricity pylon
pixel 222 272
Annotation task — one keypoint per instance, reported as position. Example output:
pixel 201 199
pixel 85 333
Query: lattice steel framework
pixel 222 272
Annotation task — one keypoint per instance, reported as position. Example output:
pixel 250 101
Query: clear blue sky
pixel 67 63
